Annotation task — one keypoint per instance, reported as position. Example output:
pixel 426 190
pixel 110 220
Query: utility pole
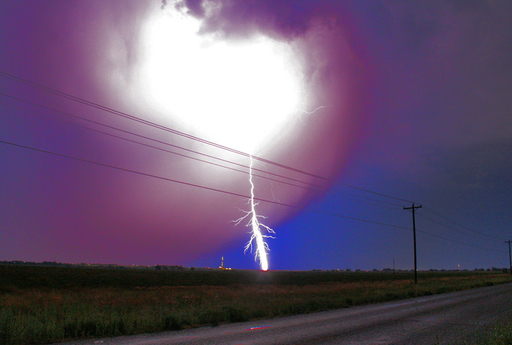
pixel 509 256
pixel 413 208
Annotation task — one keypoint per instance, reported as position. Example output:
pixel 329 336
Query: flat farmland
pixel 40 305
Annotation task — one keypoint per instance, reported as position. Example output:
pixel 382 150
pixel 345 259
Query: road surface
pixel 440 319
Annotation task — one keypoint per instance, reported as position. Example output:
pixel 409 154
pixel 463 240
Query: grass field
pixel 501 334
pixel 40 305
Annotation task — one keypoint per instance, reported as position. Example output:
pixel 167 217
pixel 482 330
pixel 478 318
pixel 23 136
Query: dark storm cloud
pixel 238 19
pixel 445 70
pixel 195 7
pixel 483 168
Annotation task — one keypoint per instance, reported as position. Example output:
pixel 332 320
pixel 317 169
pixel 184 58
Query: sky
pixel 129 131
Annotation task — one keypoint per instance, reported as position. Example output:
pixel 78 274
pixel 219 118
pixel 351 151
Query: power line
pixel 377 193
pixel 367 198
pixel 186 183
pixel 236 194
pixel 180 154
pixel 479 233
pixel 176 132
pixel 366 202
pixel 115 112
pixel 153 124
pixel 359 219
pixel 230 162
pixel 312 186
pixel 463 243
pixel 441 237
pixel 451 228
pixel 153 140
pixel 315 186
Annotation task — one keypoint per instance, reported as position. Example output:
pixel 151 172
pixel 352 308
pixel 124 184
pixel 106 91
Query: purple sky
pixel 417 108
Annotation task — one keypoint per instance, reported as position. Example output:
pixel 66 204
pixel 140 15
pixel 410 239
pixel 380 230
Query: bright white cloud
pixel 239 94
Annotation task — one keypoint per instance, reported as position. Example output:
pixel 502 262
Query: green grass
pixel 40 305
pixel 499 334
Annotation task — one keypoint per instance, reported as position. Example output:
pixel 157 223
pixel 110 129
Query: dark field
pixel 40 305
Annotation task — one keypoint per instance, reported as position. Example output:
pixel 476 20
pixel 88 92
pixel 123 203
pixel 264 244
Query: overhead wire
pixel 186 183
pixel 176 132
pixel 223 166
pixel 377 193
pixel 312 186
pixel 463 243
pixel 153 124
pixel 455 229
pixel 175 146
pixel 468 229
pixel 207 142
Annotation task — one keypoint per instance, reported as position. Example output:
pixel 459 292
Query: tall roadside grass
pixel 44 305
pixel 499 334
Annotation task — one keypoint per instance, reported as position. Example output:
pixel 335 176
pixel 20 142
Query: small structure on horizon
pixel 222 267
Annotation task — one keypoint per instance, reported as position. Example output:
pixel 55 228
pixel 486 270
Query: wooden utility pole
pixel 413 208
pixel 509 256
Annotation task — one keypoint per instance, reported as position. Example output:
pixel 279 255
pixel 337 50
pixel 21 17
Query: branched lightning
pixel 256 228
pixel 259 231
pixel 313 111
pixel 306 112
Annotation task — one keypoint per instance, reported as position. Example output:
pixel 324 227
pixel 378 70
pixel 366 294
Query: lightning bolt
pixel 257 236
pixel 313 111
pixel 307 112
